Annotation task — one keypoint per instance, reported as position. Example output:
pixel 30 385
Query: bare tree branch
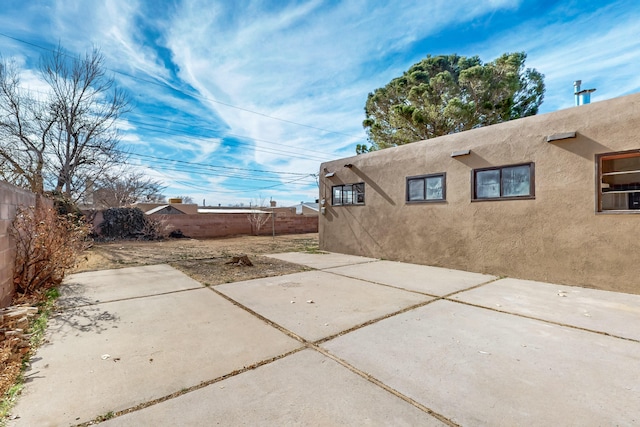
pixel 68 138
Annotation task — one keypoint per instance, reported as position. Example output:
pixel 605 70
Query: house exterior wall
pixel 10 199
pixel 558 236
pixel 308 211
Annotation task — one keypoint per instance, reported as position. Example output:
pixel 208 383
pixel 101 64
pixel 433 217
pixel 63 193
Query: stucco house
pixel 553 197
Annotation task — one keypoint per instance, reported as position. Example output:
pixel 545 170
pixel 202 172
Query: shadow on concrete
pixel 89 318
pixel 82 314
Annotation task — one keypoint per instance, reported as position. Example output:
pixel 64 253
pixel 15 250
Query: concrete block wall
pixel 202 226
pixel 10 198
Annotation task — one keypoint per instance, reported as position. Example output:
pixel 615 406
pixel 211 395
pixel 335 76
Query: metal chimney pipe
pixel 576 91
pixel 583 96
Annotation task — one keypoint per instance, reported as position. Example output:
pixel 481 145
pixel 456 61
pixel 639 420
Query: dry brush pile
pixel 47 245
pixel 129 223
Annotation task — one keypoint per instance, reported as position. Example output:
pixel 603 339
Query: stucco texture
pixel 557 236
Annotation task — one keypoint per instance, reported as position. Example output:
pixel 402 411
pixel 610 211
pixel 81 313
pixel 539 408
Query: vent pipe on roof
pixel 582 96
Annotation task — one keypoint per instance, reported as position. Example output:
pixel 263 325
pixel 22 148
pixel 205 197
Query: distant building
pixel 167 208
pixel 307 208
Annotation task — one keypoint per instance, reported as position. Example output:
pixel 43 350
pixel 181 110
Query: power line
pixel 213 166
pixel 241 190
pixel 159 129
pixel 229 134
pixel 189 168
pixel 152 127
pixel 213 170
pixel 196 95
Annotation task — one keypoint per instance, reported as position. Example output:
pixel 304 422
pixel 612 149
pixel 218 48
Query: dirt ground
pixel 203 260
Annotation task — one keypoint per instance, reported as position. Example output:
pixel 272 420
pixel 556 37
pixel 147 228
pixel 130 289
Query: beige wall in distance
pixel 556 237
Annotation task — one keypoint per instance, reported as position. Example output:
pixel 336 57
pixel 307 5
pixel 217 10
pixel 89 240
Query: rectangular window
pixel 426 188
pixel 619 181
pixel 505 182
pixel 348 194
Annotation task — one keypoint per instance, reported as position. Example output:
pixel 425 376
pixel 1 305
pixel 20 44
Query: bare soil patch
pixel 204 260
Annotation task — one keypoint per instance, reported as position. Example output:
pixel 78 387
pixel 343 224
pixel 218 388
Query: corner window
pixel 348 194
pixel 619 181
pixel 426 188
pixel 505 182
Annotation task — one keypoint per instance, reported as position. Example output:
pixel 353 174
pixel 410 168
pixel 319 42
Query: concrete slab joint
pixel 358 341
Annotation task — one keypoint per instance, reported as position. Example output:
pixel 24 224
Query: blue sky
pixel 237 100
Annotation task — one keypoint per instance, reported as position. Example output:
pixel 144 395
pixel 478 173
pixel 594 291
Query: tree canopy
pixel 446 94
pixel 119 188
pixel 67 136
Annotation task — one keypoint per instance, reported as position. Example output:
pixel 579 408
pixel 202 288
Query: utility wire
pixel 330 155
pixel 161 130
pixel 186 134
pixel 195 187
pixel 196 95
pixel 152 127
pixel 212 166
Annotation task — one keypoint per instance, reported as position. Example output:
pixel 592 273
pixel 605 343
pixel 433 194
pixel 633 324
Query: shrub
pixel 47 244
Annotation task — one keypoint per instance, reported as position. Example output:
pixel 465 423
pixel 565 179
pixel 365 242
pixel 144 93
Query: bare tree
pixel 185 199
pixel 86 104
pixel 25 125
pixel 257 218
pixel 68 138
pixel 120 190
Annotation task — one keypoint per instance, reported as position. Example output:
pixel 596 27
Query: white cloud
pixel 588 48
pixel 309 62
pixel 293 63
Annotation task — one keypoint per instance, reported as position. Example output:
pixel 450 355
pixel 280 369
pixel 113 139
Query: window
pixel 619 181
pixel 426 188
pixel 505 182
pixel 348 194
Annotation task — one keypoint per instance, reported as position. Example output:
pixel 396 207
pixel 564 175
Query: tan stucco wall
pixel 556 237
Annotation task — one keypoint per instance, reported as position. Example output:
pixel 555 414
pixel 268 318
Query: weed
pixel 9 399
pixel 104 417
pixel 312 248
pixel 37 328
pixel 40 324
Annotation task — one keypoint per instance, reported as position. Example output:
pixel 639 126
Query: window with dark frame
pixel 426 188
pixel 504 182
pixel 347 194
pixel 619 181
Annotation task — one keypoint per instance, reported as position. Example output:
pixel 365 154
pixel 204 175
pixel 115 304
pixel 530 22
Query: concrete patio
pixel 356 341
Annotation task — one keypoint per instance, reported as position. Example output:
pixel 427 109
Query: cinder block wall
pixel 203 226
pixel 10 198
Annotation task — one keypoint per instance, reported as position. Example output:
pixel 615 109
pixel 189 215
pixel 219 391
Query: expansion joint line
pixel 316 346
pixel 551 322
pixel 199 386
pixel 94 303
pixel 385 387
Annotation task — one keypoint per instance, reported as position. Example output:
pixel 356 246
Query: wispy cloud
pixel 601 47
pixel 281 85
